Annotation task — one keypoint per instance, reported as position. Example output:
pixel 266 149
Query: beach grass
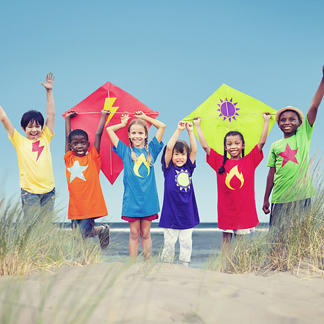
pixel 296 242
pixel 39 242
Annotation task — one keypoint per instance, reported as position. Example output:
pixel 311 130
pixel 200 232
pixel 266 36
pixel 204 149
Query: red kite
pixel 118 101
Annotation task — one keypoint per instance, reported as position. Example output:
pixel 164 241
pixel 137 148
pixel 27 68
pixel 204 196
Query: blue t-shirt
pixel 140 194
pixel 179 209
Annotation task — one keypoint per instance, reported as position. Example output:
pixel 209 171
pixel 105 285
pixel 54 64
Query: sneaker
pixel 104 237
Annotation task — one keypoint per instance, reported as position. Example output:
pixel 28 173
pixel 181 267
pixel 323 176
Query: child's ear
pixel 243 146
pixel 23 129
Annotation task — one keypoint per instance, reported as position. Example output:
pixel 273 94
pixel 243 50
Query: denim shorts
pixel 31 201
pixel 85 226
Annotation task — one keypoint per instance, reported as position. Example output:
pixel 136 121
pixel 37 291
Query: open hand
pixel 124 119
pixel 49 81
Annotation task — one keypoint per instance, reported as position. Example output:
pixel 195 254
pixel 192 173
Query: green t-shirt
pixel 290 157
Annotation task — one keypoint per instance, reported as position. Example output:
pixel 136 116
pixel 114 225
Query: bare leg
pixel 146 238
pixel 97 230
pixel 226 240
pixel 134 235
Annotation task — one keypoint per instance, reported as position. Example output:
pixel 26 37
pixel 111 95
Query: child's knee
pixel 134 235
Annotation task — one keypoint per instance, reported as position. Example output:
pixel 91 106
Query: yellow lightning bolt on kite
pixel 109 102
pixel 231 174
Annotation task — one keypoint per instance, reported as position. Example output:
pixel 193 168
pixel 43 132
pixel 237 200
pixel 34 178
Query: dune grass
pixel 296 243
pixel 39 243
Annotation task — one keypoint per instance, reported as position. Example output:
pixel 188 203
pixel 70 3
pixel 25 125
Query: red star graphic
pixel 288 155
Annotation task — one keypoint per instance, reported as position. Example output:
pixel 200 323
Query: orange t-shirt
pixel 82 174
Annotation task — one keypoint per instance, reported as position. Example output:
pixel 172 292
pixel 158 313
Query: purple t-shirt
pixel 179 209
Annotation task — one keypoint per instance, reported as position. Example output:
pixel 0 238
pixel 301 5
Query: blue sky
pixel 171 55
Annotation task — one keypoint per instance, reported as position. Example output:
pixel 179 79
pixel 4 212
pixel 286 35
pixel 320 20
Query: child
pixel 179 212
pixel 140 201
pixel 288 160
pixel 235 181
pixel 33 153
pixel 86 201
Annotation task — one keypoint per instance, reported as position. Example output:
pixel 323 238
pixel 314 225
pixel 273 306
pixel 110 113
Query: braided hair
pixel 133 154
pixel 221 170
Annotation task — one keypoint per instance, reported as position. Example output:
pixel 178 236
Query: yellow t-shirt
pixel 34 162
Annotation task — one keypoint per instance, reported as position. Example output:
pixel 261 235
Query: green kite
pixel 230 110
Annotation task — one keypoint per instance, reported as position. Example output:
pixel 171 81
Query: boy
pixel 86 201
pixel 288 160
pixel 33 153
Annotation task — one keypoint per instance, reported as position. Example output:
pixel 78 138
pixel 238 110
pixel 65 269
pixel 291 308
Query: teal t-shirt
pixel 290 157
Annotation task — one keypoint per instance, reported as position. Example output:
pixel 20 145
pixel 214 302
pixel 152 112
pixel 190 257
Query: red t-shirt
pixel 235 187
pixel 82 174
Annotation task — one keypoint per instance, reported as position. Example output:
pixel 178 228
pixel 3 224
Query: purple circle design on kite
pixel 228 109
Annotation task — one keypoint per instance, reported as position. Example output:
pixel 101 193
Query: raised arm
pixel 104 114
pixel 268 190
pixel 156 123
pixel 192 142
pixel 312 111
pixel 6 122
pixel 68 117
pixel 111 130
pixel 201 136
pixel 50 107
pixel 264 133
pixel 172 141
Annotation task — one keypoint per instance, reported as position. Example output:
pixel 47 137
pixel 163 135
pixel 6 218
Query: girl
pixel 140 201
pixel 179 213
pixel 235 181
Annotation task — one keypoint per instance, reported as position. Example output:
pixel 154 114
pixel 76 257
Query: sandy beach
pixel 159 293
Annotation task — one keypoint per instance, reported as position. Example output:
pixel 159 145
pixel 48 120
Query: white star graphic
pixel 77 171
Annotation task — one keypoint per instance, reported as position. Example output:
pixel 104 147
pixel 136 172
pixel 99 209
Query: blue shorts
pixel 85 226
pixel 31 201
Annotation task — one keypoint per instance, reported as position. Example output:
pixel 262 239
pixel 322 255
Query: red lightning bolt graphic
pixel 37 148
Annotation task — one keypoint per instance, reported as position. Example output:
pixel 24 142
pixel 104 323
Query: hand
pixel 124 119
pixel 105 112
pixel 71 113
pixel 189 127
pixel 266 116
pixel 265 207
pixel 181 125
pixel 139 114
pixel 196 121
pixel 49 81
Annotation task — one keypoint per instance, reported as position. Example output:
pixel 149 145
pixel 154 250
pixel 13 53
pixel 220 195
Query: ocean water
pixel 207 241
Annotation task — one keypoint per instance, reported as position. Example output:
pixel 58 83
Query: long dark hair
pixel 232 133
pixel 180 146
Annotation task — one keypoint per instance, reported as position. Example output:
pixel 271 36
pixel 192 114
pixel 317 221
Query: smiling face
pixel 234 146
pixel 179 159
pixel 289 122
pixel 137 135
pixel 33 130
pixel 79 145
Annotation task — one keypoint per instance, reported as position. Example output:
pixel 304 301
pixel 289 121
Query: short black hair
pixel 77 132
pixel 32 116
pixel 180 146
